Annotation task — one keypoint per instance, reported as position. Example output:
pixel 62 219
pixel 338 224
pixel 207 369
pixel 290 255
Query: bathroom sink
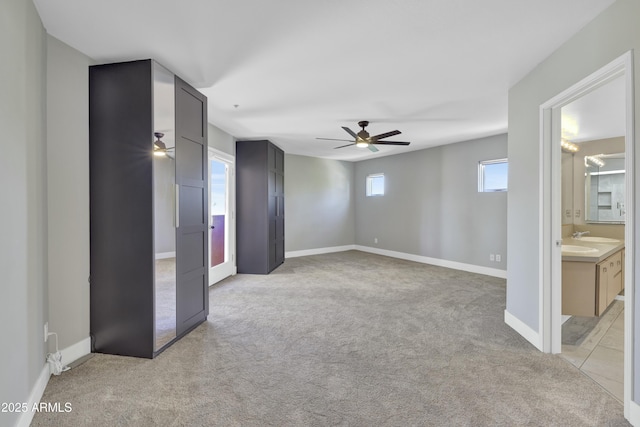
pixel 577 249
pixel 593 239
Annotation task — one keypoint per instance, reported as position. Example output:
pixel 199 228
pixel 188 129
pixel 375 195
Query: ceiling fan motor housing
pixel 363 134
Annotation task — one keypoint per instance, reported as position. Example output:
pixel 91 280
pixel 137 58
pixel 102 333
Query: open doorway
pixel 551 288
pixel 593 223
pixel 221 216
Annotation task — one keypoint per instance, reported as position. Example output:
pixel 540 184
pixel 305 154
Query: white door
pixel 221 217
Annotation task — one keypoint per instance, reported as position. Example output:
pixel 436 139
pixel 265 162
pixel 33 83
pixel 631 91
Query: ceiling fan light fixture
pixel 159 147
pixel 362 139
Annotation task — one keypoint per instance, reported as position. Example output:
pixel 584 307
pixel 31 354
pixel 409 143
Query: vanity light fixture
pixel 595 160
pixel 567 146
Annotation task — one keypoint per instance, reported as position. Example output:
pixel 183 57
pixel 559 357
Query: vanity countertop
pixel 603 250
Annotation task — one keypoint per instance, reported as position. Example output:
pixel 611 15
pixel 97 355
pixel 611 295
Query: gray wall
pixel 23 229
pixel 319 203
pixel 68 191
pixel 432 206
pixel 611 34
pixel 220 140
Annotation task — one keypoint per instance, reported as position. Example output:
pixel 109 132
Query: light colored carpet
pixel 349 339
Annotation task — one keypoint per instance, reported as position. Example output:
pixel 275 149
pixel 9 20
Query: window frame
pixel 369 184
pixel 481 175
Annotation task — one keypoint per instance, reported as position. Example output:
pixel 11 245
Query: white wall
pixel 68 191
pixel 23 225
pixel 319 203
pixel 606 38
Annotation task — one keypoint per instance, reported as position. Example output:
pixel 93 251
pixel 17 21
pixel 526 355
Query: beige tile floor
pixel 601 354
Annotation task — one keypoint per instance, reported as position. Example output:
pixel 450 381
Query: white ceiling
pixel 599 114
pixel 438 70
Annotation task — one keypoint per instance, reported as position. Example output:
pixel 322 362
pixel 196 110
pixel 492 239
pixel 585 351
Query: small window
pixel 492 175
pixel 375 184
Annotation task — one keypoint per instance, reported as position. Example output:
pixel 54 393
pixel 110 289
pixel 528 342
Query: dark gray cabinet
pixel 259 206
pixel 148 213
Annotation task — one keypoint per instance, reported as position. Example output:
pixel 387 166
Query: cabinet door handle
pixel 177 215
pixel 604 269
pixel 611 264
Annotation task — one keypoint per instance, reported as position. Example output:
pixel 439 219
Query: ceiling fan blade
pixel 333 139
pixel 385 135
pixel 342 146
pixel 350 132
pixel 391 143
pixel 372 148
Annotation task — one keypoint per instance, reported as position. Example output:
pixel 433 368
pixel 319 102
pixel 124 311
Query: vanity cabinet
pixel 588 288
pixel 608 281
pixel 259 206
pixel 148 214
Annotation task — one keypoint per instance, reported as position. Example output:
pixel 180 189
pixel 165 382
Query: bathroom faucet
pixel 579 234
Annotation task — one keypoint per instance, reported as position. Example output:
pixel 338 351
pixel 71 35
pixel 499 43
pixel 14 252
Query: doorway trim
pixel 550 290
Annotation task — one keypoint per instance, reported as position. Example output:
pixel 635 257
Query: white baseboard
pixel 634 414
pixel 319 251
pixel 76 351
pixel 436 261
pixel 401 255
pixel 69 354
pixel 165 255
pixel 523 329
pixel 36 394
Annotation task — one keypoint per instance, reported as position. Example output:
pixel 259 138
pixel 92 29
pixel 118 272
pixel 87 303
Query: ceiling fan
pixel 363 140
pixel 160 148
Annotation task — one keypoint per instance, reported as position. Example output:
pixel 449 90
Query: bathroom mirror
pixel 164 176
pixel 605 188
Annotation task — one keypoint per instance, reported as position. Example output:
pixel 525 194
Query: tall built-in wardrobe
pixel 148 204
pixel 260 206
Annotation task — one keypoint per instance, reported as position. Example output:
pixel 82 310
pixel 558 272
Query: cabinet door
pixel 601 287
pixel 275 169
pixel 191 235
pixel 579 291
pixel 614 284
pixel 622 265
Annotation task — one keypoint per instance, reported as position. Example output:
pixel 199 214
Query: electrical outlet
pixel 375 240
pixel 498 258
pixel 46 331
pixel 492 257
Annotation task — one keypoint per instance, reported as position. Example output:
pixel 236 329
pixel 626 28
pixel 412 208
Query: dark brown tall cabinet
pixel 148 208
pixel 259 206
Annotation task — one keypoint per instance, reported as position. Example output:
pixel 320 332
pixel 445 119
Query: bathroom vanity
pixel 592 275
